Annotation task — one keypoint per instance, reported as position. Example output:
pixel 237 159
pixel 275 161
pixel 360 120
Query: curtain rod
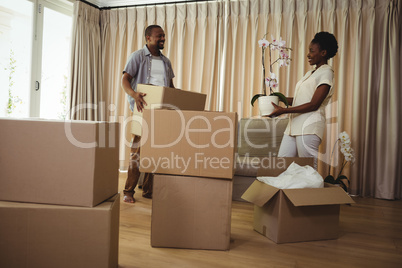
pixel 143 5
pixel 86 2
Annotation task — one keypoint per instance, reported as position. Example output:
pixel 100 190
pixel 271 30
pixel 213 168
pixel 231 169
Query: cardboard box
pixel 58 162
pixel 166 98
pixel 38 235
pixel 189 143
pixel 191 212
pixel 295 215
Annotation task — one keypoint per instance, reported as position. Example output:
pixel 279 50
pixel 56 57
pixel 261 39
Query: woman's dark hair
pixel 326 41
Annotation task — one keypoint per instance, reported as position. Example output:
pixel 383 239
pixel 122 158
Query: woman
pixel 307 115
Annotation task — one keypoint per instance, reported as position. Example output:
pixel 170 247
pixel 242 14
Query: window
pixel 35 37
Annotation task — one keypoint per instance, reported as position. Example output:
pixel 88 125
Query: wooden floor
pixel 370 236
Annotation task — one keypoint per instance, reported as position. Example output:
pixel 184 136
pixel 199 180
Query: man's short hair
pixel 148 30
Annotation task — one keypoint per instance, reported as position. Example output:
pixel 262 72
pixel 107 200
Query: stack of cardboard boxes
pixel 59 205
pixel 192 155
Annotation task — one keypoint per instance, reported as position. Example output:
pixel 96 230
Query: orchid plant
pixel 283 60
pixel 348 156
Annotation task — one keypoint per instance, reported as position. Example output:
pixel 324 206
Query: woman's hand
pixel 278 110
pixel 318 98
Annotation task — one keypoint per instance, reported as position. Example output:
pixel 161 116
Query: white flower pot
pixel 265 104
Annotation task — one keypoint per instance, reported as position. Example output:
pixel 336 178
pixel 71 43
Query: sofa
pixel 258 139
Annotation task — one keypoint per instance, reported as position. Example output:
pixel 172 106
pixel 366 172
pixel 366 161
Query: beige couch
pixel 258 138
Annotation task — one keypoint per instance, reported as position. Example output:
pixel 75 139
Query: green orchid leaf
pixel 255 98
pixel 342 184
pixel 343 177
pixel 330 179
pixel 282 98
pixel 340 181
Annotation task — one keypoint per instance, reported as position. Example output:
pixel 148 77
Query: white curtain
pixel 86 69
pixel 213 48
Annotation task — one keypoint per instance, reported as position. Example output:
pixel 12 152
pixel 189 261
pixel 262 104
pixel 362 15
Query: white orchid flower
pixel 281 43
pixel 274 43
pixel 343 151
pixel 348 157
pixel 284 62
pixel 344 136
pixel 277 44
pixel 283 54
pixel 263 43
pixel 347 149
pixel 348 153
pixel 345 141
pixel 271 81
pixel 268 82
pixel 344 145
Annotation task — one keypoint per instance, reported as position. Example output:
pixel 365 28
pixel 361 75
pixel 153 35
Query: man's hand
pixel 139 100
pixel 138 97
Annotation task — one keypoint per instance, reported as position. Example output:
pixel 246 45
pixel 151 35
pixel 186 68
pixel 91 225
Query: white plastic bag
pixel 295 177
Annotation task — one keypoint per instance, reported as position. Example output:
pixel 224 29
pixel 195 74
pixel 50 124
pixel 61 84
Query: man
pixel 145 66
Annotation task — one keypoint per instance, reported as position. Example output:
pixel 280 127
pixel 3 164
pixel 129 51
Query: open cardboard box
pixel 295 215
pixel 38 235
pixel 191 212
pixel 190 143
pixel 158 97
